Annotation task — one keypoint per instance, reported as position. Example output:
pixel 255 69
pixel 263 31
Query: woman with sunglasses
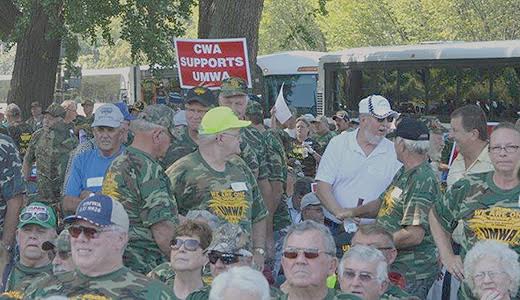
pixel 304 150
pixel 188 256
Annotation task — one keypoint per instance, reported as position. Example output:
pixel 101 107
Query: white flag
pixel 282 110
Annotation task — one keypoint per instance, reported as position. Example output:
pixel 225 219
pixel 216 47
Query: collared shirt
pixel 458 167
pixel 354 175
pixel 295 214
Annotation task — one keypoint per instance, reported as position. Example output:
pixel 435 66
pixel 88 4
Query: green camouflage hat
pixel 233 86
pixel 254 109
pixel 55 110
pixel 433 124
pixel 38 213
pixel 61 243
pixel 159 114
pixel 231 238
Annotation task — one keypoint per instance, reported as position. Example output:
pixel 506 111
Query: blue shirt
pixel 87 171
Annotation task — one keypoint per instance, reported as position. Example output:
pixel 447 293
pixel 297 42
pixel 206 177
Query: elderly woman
pixel 492 271
pixel 304 155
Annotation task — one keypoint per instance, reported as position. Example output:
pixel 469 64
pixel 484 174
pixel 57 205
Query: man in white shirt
pixel 358 166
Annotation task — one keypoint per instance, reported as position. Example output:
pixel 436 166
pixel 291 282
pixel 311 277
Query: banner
pixel 206 63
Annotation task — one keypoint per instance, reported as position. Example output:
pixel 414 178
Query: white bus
pixel 432 77
pixel 298 71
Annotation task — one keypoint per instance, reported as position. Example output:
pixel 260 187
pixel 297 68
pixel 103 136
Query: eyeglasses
pixel 41 216
pixel 189 244
pixel 363 276
pixel 490 274
pixel 225 258
pixel 309 253
pixel 507 148
pixel 389 119
pixel 89 232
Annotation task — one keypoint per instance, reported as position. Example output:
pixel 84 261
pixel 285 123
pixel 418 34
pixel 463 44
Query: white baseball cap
pixel 108 115
pixel 376 106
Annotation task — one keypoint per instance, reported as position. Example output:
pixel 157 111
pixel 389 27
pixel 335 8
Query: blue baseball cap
pixel 124 110
pixel 102 211
pixel 175 98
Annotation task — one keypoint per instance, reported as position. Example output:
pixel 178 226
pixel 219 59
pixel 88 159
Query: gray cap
pixel 309 199
pixel 108 115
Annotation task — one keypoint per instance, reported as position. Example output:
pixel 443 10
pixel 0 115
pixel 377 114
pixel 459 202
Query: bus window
pixel 299 91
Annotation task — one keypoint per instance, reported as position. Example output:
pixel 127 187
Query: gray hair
pixel 486 249
pixel 369 255
pixel 143 125
pixel 13 110
pixel 309 225
pixel 419 147
pixel 241 278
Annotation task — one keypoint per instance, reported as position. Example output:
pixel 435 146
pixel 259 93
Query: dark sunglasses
pixel 309 253
pixel 89 232
pixel 40 216
pixel 389 119
pixel 225 258
pixel 189 244
pixel 64 255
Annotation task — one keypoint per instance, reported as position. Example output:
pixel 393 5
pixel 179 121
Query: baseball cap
pixel 202 95
pixel 233 86
pixel 254 108
pixel 107 115
pixel 180 118
pixel 100 210
pixel 433 124
pixel 38 213
pixel 87 102
pixel 159 114
pixel 175 98
pixel 309 199
pixel 412 129
pixel 341 114
pixel 309 117
pixel 35 104
pixel 321 119
pixel 125 111
pixel 220 119
pixel 55 110
pixel 231 238
pixel 61 243
pixel 376 106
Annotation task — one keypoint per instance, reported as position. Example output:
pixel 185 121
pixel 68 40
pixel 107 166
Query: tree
pixel 40 28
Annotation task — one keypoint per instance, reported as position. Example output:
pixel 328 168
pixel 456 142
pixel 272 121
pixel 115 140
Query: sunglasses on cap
pixel 309 253
pixel 189 244
pixel 89 232
pixel 389 119
pixel 225 258
pixel 41 216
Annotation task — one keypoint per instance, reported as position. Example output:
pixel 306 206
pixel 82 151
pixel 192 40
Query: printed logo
pixel 229 205
pixel 497 223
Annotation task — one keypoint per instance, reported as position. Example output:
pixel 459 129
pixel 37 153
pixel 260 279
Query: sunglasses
pixel 189 244
pixel 40 216
pixel 389 119
pixel 225 258
pixel 363 276
pixel 89 232
pixel 309 253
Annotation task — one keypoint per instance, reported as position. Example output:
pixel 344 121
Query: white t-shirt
pixel 352 174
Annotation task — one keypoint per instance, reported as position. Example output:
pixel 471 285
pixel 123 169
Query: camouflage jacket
pixel 35 124
pixel 11 179
pixel 323 140
pixel 138 181
pixel 276 157
pixel 232 195
pixel 256 141
pixel 332 294
pixel 203 294
pixel 163 273
pixel 120 284
pixel 21 276
pixel 406 202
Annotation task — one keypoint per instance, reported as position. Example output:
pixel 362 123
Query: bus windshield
pixel 299 91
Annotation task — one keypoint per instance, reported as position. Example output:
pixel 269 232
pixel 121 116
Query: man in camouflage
pixel 323 132
pixel 486 204
pixel 136 179
pixel 216 179
pixel 36 119
pixel 50 148
pixel 37 225
pixel 99 235
pixel 83 123
pixel 19 131
pixel 437 131
pixel 60 248
pixel 71 113
pixel 11 196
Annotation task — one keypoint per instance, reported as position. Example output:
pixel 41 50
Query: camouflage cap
pixel 231 238
pixel 202 95
pixel 55 110
pixel 254 109
pixel 233 86
pixel 61 243
pixel 433 124
pixel 159 114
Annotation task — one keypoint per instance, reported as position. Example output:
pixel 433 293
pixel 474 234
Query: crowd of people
pixel 203 200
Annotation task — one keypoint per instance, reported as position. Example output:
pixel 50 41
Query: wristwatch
pixel 259 250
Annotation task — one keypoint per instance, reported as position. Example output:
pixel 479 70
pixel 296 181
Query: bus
pixel 429 78
pixel 297 71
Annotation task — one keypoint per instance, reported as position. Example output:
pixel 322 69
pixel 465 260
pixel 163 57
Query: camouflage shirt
pixel 276 157
pixel 11 179
pixel 21 276
pixel 323 140
pixel 256 141
pixel 332 294
pixel 232 195
pixel 35 124
pixel 203 293
pixel 165 274
pixel 406 202
pixel 301 159
pixel 137 181
pixel 120 284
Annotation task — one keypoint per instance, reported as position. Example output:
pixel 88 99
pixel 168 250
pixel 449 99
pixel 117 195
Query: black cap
pixel 412 129
pixel 202 95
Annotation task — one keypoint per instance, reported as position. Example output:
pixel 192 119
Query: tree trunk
pixel 36 61
pixel 233 19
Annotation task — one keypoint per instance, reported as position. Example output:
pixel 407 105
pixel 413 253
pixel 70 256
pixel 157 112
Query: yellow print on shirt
pixel 497 223
pixel 389 200
pixel 229 205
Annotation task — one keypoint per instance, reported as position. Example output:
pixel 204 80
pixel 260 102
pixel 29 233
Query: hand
pixel 345 213
pixel 493 295
pixel 454 265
